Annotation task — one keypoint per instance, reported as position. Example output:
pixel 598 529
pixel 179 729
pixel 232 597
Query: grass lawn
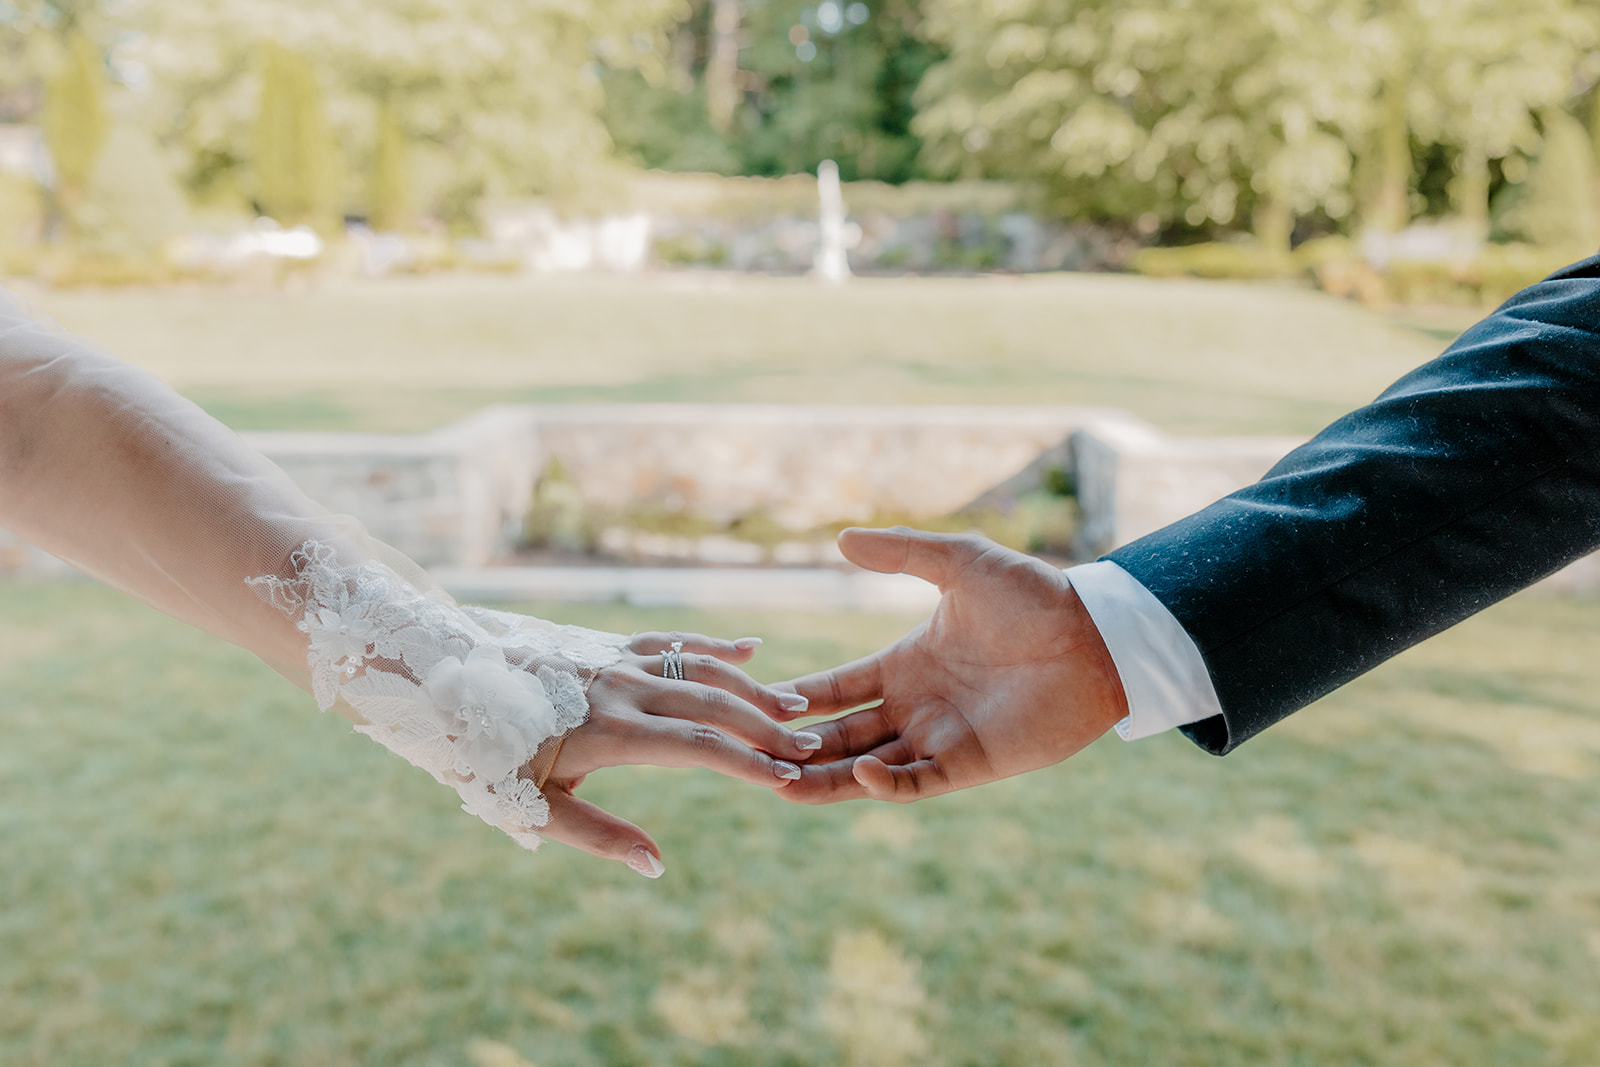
pixel 201 869
pixel 406 354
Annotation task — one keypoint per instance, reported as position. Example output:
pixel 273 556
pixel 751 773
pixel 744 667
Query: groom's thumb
pixel 933 557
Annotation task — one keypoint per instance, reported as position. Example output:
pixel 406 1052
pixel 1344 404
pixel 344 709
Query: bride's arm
pixel 107 467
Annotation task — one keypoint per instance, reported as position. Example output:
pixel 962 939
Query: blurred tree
pixel 74 119
pixel 1201 116
pixel 17 81
pixel 496 97
pixel 1181 116
pixel 133 204
pixel 722 68
pixel 810 81
pixel 33 34
pixel 390 206
pixel 295 161
pixel 112 190
pixel 1472 75
pixel 1195 115
pixel 834 80
pixel 1556 206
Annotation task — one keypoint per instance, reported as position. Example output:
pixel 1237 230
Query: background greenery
pixel 200 869
pixel 1276 120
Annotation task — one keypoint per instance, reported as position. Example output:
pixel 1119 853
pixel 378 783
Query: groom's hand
pixel 1008 675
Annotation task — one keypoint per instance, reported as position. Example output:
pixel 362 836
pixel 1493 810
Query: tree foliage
pixel 390 198
pixel 295 162
pixel 1231 112
pixel 1556 206
pixel 812 81
pixel 495 96
pixel 1183 117
pixel 74 120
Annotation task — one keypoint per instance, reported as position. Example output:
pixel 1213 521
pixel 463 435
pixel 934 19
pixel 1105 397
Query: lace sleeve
pixel 110 469
pixel 467 694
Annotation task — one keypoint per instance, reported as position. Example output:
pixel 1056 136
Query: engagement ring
pixel 672 662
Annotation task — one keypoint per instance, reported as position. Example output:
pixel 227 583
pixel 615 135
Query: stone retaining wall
pixel 1133 479
pixel 458 497
pixel 805 466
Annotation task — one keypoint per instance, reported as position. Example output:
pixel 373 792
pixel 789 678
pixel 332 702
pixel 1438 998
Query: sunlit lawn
pixel 198 868
pixel 1193 357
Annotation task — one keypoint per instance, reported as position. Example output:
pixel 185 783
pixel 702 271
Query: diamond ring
pixel 672 662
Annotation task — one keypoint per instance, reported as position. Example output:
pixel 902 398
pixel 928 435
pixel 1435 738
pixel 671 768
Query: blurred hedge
pixel 715 196
pixel 1336 265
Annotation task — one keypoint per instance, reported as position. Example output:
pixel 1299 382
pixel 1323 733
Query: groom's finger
pixel 824 783
pixel 901 783
pixel 837 689
pixel 933 557
pixel 855 734
pixel 576 822
pixel 833 781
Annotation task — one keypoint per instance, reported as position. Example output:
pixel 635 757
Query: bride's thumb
pixel 578 823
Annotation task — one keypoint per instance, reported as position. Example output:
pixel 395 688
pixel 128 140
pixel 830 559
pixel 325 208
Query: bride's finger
pixel 654 642
pixel 664 742
pixel 730 714
pixel 708 670
pixel 576 822
pixel 854 734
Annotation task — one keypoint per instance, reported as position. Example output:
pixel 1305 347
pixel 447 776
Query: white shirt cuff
pixel 1163 676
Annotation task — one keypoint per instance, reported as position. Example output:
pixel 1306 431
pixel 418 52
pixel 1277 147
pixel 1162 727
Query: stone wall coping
pixel 300 442
pixel 897 415
pixel 500 418
pixel 772 588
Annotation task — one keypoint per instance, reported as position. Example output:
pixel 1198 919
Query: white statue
pixel 831 265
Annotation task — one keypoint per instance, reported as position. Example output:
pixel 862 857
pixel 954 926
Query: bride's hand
pixel 512 711
pixel 716 717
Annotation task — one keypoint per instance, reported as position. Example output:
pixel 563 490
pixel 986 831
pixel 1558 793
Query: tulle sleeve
pixel 107 467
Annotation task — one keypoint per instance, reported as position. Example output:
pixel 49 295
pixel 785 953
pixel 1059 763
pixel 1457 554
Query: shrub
pixel 1213 259
pixel 1320 251
pixel 1555 207
pixel 21 213
pixel 1501 270
pixel 689 249
pixel 71 269
pixel 558 517
pixel 1495 273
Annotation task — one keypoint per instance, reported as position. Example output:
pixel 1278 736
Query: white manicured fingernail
pixel 807 742
pixel 793 702
pixel 644 861
pixel 745 644
pixel 787 771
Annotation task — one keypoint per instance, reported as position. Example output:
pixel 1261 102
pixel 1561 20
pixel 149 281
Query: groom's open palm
pixel 1008 675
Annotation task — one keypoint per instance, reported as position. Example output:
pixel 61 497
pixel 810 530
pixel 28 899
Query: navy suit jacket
pixel 1470 478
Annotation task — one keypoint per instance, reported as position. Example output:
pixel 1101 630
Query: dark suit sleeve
pixel 1470 478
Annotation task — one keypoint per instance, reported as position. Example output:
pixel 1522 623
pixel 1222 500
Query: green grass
pixel 201 869
pixel 406 354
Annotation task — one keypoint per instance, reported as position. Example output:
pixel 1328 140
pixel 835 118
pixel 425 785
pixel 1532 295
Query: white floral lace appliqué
pixel 467 694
